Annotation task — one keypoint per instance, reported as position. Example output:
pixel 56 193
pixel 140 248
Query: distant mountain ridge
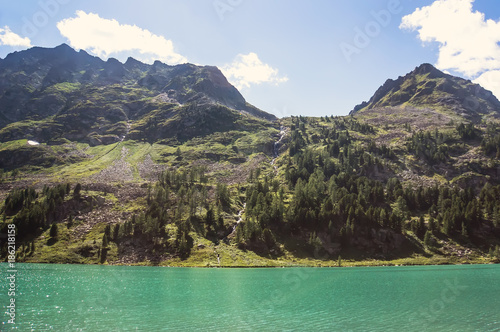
pixel 427 86
pixel 60 87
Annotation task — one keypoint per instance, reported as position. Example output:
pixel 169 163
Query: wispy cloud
pixel 247 70
pixel 468 42
pixel 9 38
pixel 107 37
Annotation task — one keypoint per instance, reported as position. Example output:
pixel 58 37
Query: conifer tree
pixel 104 241
pixel 77 191
pixel 104 255
pixel 116 232
pixel 107 231
pixel 54 231
pixel 428 238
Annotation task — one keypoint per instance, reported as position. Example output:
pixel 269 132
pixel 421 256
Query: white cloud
pixel 105 38
pixel 9 38
pixel 248 69
pixel 468 42
pixel 491 81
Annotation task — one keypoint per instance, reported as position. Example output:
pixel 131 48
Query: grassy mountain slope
pixel 433 92
pixel 243 191
pixel 63 99
pixel 49 95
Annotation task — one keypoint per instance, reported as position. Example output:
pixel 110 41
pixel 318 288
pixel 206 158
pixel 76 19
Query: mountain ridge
pixel 138 164
pixel 427 86
pixel 54 84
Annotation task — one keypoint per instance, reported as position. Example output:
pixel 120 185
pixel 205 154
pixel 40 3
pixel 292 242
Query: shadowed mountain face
pixel 412 178
pixel 427 87
pixel 58 93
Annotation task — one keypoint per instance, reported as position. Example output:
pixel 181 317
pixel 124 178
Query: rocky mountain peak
pixel 83 98
pixel 30 73
pixel 428 87
pixel 428 69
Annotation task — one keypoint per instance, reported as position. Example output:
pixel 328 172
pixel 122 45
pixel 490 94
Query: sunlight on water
pixel 121 298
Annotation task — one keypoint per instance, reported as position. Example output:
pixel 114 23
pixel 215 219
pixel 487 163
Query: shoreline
pixel 393 263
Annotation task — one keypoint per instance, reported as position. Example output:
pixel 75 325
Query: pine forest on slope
pixel 169 165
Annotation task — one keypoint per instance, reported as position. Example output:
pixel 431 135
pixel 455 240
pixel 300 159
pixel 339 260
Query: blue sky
pixel 287 57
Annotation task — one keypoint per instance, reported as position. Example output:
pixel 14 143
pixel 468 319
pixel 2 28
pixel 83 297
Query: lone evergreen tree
pixel 104 255
pixel 239 234
pixel 116 232
pixel 269 238
pixel 77 190
pixel 107 231
pixel 183 246
pixel 54 231
pixel 428 238
pixel 210 218
pixel 104 241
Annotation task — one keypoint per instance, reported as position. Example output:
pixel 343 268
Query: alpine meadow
pixel 104 162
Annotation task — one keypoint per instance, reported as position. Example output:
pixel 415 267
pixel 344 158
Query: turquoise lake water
pixel 122 298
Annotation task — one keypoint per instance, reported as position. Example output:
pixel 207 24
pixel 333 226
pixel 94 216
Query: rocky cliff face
pixel 427 87
pixel 52 93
